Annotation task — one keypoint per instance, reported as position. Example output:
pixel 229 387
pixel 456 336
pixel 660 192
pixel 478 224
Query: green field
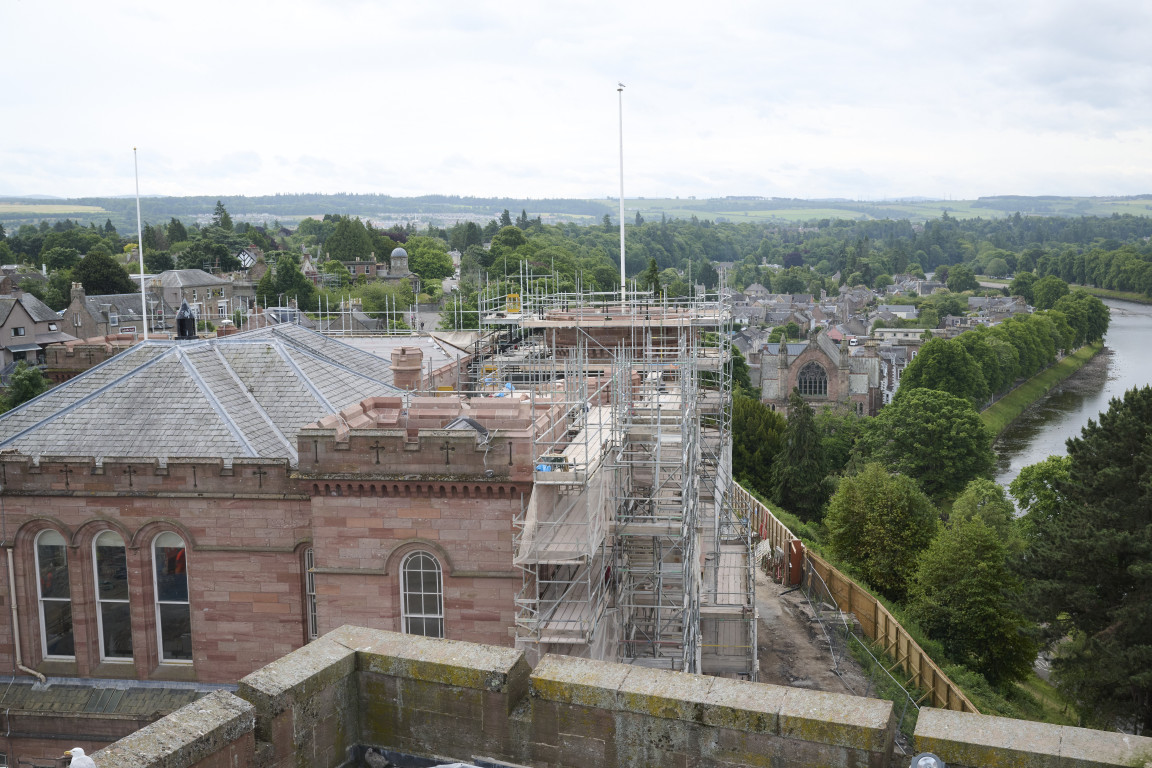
pixel 38 209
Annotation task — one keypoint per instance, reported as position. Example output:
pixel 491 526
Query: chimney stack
pixel 407 365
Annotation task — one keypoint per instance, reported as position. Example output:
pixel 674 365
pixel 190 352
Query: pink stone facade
pixel 371 485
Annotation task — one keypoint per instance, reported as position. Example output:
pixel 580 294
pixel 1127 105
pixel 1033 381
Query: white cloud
pixel 832 99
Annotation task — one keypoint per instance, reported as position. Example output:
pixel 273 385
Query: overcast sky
pixel 838 98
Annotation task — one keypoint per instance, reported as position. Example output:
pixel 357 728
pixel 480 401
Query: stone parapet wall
pixel 361 687
pixel 968 740
pixel 215 732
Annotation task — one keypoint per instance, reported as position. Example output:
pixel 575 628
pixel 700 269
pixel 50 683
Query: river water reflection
pixel 1126 362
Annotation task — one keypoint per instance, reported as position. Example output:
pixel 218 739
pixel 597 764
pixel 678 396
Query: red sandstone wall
pixel 244 564
pixel 360 541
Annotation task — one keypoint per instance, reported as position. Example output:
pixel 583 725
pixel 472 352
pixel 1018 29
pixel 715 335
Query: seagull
pixel 79 759
pixel 375 759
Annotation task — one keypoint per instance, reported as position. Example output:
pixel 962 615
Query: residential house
pixel 26 325
pixel 209 297
pixel 109 314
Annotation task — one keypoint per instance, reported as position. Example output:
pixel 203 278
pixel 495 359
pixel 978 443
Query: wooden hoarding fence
pixel 876 622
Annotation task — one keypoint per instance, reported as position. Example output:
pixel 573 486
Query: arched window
pixel 422 595
pixel 173 613
pixel 112 596
pixel 310 619
pixel 56 639
pixel 813 381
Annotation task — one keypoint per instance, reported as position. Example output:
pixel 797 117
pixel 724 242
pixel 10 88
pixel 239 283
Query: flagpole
pixel 623 284
pixel 140 241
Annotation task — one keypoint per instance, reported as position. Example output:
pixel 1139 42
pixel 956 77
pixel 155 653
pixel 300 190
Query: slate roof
pixel 36 309
pixel 245 395
pixel 188 278
pixel 126 305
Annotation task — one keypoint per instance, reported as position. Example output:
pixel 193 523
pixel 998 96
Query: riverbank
pixel 1104 293
pixel 1007 409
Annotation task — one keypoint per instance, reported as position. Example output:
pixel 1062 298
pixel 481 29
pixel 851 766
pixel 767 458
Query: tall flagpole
pixel 623 285
pixel 140 242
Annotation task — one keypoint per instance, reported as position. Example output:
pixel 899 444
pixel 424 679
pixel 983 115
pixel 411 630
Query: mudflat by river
pixel 1124 363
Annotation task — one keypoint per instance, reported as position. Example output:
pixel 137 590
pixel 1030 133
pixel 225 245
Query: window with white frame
pixel 310 594
pixel 115 620
pixel 422 595
pixel 52 585
pixel 173 611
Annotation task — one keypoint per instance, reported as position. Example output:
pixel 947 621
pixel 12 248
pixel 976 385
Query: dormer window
pixel 51 326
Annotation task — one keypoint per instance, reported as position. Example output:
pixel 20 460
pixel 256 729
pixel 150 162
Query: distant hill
pixel 442 210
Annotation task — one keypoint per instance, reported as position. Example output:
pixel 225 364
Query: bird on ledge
pixel 79 759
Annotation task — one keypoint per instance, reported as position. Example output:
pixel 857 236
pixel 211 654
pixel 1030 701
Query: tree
pixel 59 258
pixel 428 257
pixel 25 383
pixel 880 522
pixel 220 217
pixel 961 595
pixel 1089 564
pixel 651 278
pixel 285 283
pixel 176 231
pixel 798 472
pixel 984 499
pixel 997 267
pixel 350 241
pixel 101 274
pixel 946 366
pixel 933 437
pixel 961 278
pixel 839 428
pixel 343 278
pixel 1088 316
pixel 1022 286
pixel 1047 291
pixel 158 261
pixel 757 438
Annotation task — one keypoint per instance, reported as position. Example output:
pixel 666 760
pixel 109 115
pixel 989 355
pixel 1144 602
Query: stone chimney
pixel 78 292
pixel 407 365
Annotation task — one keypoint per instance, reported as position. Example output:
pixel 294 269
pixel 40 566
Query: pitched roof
pixel 245 395
pixel 36 309
pixel 188 278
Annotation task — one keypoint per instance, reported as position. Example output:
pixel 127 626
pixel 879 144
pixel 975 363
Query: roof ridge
pixel 214 401
pixel 293 455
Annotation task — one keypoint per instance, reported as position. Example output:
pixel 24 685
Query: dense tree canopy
pixel 946 366
pixel 25 383
pixel 932 436
pixel 757 437
pixel 1089 562
pixel 879 522
pixel 962 594
pixel 101 274
pixel 798 475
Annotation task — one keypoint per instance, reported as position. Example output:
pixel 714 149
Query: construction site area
pixel 628 548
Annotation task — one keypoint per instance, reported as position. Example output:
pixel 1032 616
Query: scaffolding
pixel 628 547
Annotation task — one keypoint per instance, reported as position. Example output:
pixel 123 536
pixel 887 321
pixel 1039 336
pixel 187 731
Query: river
pixel 1125 362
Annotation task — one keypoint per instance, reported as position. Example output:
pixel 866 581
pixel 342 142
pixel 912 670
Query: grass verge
pixel 1004 411
pixel 1106 293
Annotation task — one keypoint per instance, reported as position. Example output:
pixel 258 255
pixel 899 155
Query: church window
pixel 813 381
